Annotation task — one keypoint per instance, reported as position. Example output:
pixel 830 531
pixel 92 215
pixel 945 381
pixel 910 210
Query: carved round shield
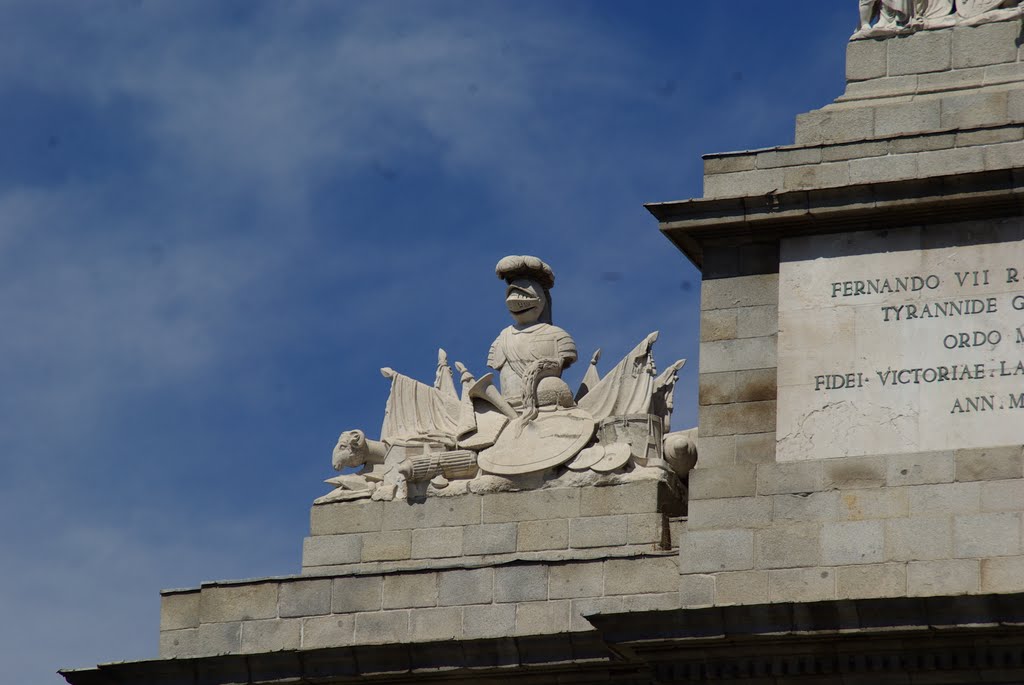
pixel 553 438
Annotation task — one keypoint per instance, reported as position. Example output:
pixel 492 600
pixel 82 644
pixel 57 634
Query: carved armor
pixel 515 348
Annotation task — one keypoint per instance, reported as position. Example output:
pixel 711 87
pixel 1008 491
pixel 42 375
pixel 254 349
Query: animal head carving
pixel 351 450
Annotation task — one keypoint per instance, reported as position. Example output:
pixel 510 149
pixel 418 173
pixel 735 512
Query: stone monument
pixel 855 514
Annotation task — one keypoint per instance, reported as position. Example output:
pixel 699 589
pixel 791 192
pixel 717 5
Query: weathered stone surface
pixel 222 603
pixel 920 53
pixel 179 643
pixel 662 601
pixel 1002 574
pixel 409 590
pixel 382 627
pixel 328 631
pixel 801 585
pixel 918 539
pixel 778 479
pixel 721 481
pixel 387 545
pixel 587 607
pixel 987 535
pixel 561 503
pixel 435 512
pixel 755 448
pixel 597 531
pixel 737 418
pixel 271 635
pixel 993 463
pixel 541 535
pixel 865 59
pixel 179 610
pixel 732 512
pixel 442 623
pixel 788 546
pixel 357 593
pixel 471 586
pixel 626 576
pixel 1006 495
pixel 539 618
pixel 521 583
pixel 854 473
pixel 566 581
pixel 856 542
pixel 716 452
pixel 943 577
pixel 876 503
pixel 489 538
pixel 489 620
pixel 346 517
pixel 716 550
pixel 738 354
pixel 871 580
pixel 305 598
pixel 436 543
pixel 945 498
pixel 994 43
pixel 807 507
pixel 920 468
pixel 697 590
pixel 327 550
pixel 646 528
pixel 219 638
pixel 718 324
pixel 743 291
pixel 741 587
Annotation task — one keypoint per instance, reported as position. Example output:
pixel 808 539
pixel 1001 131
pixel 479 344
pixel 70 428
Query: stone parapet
pixel 475 530
pixel 499 601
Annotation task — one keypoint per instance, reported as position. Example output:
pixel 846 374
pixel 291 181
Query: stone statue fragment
pixel 880 18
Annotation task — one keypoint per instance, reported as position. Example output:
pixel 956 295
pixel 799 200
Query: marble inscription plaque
pixel 899 342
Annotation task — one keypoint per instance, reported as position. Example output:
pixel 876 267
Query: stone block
pixel 975 46
pixel 470 586
pixel 219 638
pixel 1007 495
pixel 541 618
pixel 434 512
pixel 437 543
pixel 566 581
pixel 716 388
pixel 883 169
pixel 974 110
pixel 722 481
pixel 877 503
pixel 860 150
pixel 741 291
pixel 382 628
pixel 521 583
pixel 943 577
pixel 754 448
pixel 642 497
pixel 738 355
pixel 646 529
pixel 305 598
pixel 855 542
pixel 489 538
pixel 489 620
pixel 790 477
pixel 321 632
pixel 356 593
pixel 787 546
pixel 340 518
pixel 920 143
pixel 991 463
pixel 505 507
pixel 732 512
pixel 918 116
pixel 222 603
pixel 943 81
pixel 741 587
pixel 920 53
pixel 919 539
pixel 441 623
pixel 1005 156
pixel 871 580
pixel 328 550
pixel 964 160
pixel 801 585
pixel 825 175
pixel 920 468
pixel 1006 74
pixel 697 591
pixel 389 545
pixel 847 473
pixel 756 385
pixel 271 636
pixel 737 418
pixel 410 590
pixel 829 126
pixel 652 574
pixel 541 535
pixel 727 163
pixel 661 601
pixel 1016 105
pixel 716 550
pixel 1002 574
pixel 588 607
pixel 807 507
pixel 179 643
pixel 945 498
pixel 865 59
pixel 716 452
pixel 718 324
pixel 987 535
pixel 783 157
pixel 179 610
pixel 989 136
pixel 743 183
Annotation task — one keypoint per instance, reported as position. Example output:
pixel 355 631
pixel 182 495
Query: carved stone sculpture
pixel 435 442
pixel 879 18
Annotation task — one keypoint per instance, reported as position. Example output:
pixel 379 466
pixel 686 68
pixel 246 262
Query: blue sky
pixel 219 219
